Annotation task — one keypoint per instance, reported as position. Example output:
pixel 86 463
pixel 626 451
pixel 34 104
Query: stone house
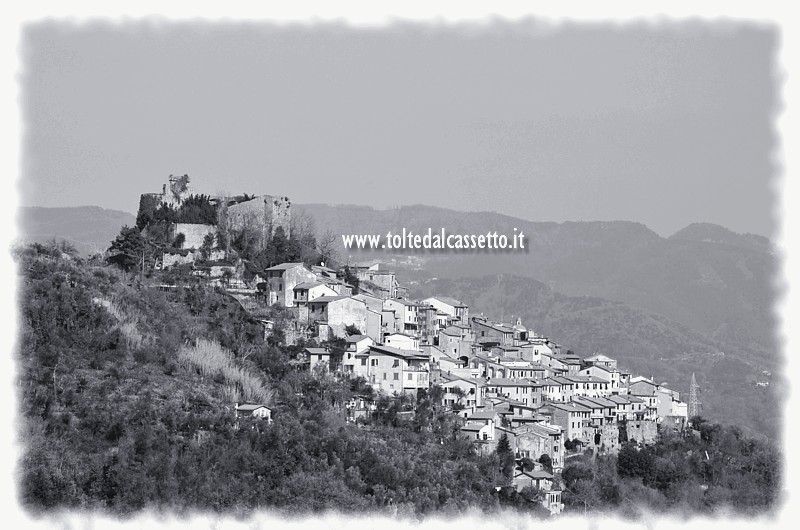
pixel 333 314
pixel 281 281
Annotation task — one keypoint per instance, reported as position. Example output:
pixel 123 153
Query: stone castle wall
pixel 266 212
pixel 194 234
pixel 173 259
pixel 643 431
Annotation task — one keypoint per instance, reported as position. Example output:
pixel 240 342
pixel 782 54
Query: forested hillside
pixel 117 418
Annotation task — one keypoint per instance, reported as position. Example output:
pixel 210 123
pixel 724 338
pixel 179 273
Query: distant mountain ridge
pixel 714 281
pixel 89 228
pixel 708 232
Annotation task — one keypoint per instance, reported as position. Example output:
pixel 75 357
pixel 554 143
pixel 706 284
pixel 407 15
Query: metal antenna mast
pixel 694 403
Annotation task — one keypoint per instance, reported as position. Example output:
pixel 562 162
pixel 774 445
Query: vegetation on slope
pixel 126 405
pixel 717 470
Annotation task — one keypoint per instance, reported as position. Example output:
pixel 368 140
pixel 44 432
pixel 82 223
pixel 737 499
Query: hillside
pixel 89 229
pixel 127 404
pixel 645 343
pixel 126 396
pixel 713 281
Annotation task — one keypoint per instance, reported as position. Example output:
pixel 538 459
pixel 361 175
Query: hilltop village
pixel 509 384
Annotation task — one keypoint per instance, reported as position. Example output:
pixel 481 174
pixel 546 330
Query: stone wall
pixel 173 259
pixel 609 438
pixel 194 234
pixel 266 213
pixel 643 431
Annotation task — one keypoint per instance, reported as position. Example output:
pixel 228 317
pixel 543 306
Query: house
pixel 476 431
pixel 570 416
pixel 557 389
pixel 532 440
pixel 454 341
pixel 486 329
pixel 282 279
pixel 428 324
pixel 402 341
pixel 406 314
pixel 460 391
pixel 481 425
pixel 534 348
pixel 340 287
pixel 360 406
pixel 252 410
pixel 589 386
pixel 394 370
pixel 318 357
pixel 450 306
pixel 382 283
pixel 306 292
pixel 536 478
pixel 354 361
pixel 600 371
pixel 332 314
pixel 376 325
pixel 525 391
pixel 599 359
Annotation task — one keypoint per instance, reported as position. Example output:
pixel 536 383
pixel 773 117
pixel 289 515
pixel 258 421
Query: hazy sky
pixel 665 125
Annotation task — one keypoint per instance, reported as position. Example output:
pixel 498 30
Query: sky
pixel 664 124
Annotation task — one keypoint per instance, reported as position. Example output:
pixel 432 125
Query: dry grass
pixel 130 320
pixel 210 360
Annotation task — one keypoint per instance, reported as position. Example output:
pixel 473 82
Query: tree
pixel 208 244
pixel 128 249
pixel 546 462
pixel 349 277
pixel 506 456
pixel 327 247
pixel 351 329
pixel 180 239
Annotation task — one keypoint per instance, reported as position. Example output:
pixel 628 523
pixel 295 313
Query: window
pixel 384 376
pixel 410 376
pixel 396 363
pixel 397 376
pixel 363 362
pixel 373 362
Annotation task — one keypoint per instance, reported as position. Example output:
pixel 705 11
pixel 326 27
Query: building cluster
pixel 503 379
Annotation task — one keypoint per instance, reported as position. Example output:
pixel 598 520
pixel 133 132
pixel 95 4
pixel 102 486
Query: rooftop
pixel 285 266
